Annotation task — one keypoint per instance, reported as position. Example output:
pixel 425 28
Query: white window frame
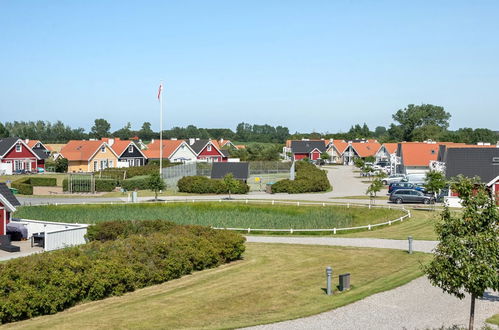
pixel 110 163
pixel 208 148
pixel 103 149
pixel 19 147
pixel 96 166
pixel 130 149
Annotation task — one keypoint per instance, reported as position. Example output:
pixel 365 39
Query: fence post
pixel 389 223
pixel 273 202
pixel 291 231
pixel 368 227
pixel 334 231
pixel 348 205
pixel 297 203
pixel 329 275
pixel 249 230
pixel 323 204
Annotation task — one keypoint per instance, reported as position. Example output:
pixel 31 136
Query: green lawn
pixel 235 215
pixel 274 282
pixel 494 319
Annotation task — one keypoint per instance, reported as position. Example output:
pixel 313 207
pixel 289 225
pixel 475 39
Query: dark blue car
pixel 404 185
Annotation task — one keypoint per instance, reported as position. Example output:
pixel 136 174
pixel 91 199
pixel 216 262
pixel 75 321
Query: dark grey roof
pixel 470 162
pixel 8 195
pixel 6 144
pixel 225 153
pixel 239 170
pixel 301 147
pixel 42 153
pixel 198 145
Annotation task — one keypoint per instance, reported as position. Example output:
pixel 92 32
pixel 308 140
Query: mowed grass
pixel 58 176
pixel 274 282
pixel 421 226
pixel 494 319
pixel 233 215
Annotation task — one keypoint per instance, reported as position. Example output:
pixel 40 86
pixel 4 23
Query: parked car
pixel 410 196
pixel 404 185
pixel 393 178
pixel 415 178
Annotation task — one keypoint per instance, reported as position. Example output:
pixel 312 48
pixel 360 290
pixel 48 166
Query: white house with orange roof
pixel 178 151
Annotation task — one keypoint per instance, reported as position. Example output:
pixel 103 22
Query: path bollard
pixel 409 239
pixel 329 275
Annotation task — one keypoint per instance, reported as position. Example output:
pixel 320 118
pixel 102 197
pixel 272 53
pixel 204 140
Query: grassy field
pixel 494 319
pixel 58 176
pixel 420 226
pixel 236 215
pixel 274 282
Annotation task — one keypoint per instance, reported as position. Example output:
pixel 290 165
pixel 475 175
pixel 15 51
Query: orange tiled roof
pixel 391 147
pixel 340 145
pixel 80 149
pixel 366 149
pixel 169 146
pixel 120 146
pixel 240 146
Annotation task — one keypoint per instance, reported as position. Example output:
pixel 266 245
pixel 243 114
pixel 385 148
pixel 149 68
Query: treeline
pixel 413 123
pixel 59 133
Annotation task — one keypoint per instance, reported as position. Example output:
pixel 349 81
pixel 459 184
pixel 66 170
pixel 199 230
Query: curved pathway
pixel 416 305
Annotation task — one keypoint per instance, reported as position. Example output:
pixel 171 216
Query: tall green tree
pixel 156 184
pixel 434 182
pixel 3 131
pixel 100 129
pixel 125 132
pixel 466 259
pixel 145 132
pixel 416 118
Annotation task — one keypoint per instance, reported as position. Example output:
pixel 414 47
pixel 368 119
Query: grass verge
pixel 493 319
pixel 274 282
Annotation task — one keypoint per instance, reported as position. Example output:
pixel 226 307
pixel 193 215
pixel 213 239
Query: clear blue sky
pixel 322 65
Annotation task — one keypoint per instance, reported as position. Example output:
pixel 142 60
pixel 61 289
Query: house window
pixel 209 148
pixel 95 166
pixel 17 165
pixel 111 163
pixel 130 149
pixel 19 147
pixel 103 149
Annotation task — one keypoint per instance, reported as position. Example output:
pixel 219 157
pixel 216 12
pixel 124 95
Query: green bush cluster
pixel 101 185
pixel 204 185
pixel 25 185
pixel 47 283
pixel 130 172
pixel 137 182
pixel 308 178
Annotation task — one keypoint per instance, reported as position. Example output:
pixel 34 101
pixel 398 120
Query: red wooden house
pixel 8 203
pixel 311 149
pixel 208 150
pixel 18 154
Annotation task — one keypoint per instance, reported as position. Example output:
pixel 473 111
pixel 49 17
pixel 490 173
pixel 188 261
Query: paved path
pixel 416 305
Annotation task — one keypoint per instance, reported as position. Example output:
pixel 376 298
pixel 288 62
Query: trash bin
pixel 268 187
pixel 14 191
pixel 344 282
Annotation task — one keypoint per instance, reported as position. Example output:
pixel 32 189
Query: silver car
pixel 393 178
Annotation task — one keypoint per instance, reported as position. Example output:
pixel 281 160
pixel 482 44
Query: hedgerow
pixel 101 185
pixel 25 185
pixel 49 282
pixel 308 178
pixel 204 185
pixel 138 182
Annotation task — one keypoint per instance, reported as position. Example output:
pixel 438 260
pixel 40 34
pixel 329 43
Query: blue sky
pixel 308 65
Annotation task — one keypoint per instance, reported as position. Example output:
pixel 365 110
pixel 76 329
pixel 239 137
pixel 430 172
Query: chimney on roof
pixel 479 143
pixel 26 141
pixel 221 140
pixel 173 139
pixel 110 141
pixel 191 141
pixel 152 141
pixel 331 140
pixel 197 139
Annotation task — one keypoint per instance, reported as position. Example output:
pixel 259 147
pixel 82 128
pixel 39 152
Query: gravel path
pixel 416 305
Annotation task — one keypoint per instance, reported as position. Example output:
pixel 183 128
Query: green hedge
pixel 47 283
pixel 130 172
pixel 308 178
pixel 101 185
pixel 138 182
pixel 25 185
pixel 204 185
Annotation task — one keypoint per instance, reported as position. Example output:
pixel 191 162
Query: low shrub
pixel 138 182
pixel 25 185
pixel 204 185
pixel 46 283
pixel 308 178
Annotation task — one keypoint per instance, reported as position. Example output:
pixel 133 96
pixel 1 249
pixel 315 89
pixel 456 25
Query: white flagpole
pixel 160 128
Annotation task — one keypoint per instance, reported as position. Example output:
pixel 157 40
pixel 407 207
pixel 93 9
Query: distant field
pixel 216 214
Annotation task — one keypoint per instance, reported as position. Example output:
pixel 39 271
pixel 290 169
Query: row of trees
pixel 413 123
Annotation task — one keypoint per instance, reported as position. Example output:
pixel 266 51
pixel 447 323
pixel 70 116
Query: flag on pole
pixel 160 89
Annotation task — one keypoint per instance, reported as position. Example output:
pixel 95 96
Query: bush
pixel 204 185
pixel 308 179
pixel 138 182
pixel 46 283
pixel 25 185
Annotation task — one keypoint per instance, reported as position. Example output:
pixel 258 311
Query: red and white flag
pixel 160 89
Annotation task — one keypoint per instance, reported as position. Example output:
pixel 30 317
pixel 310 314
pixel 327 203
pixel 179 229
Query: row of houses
pixel 95 155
